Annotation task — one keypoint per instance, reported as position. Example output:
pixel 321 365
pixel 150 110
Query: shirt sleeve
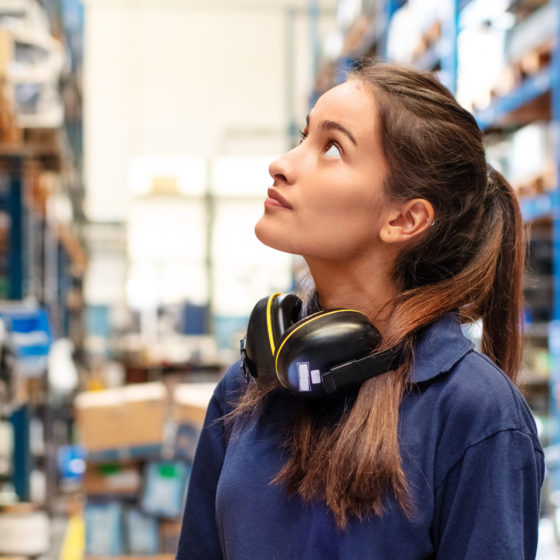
pixel 488 503
pixel 199 539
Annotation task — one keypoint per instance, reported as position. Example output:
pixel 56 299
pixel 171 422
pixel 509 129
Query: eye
pixel 302 136
pixel 332 150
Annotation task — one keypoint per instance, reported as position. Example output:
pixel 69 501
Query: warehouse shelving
pixel 530 90
pixel 138 444
pixel 42 266
pixel 540 91
pixel 440 53
pixel 536 95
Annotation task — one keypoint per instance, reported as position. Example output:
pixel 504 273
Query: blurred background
pixel 135 138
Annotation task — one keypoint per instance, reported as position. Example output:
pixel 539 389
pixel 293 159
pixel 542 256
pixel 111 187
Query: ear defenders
pixel 316 356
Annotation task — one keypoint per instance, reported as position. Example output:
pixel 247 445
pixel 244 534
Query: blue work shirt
pixel 470 452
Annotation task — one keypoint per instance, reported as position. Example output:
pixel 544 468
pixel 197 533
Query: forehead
pixel 350 103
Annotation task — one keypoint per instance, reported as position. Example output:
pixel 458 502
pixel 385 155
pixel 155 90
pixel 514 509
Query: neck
pixel 367 288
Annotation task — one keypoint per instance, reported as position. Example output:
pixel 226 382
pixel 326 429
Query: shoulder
pixel 465 386
pixel 475 402
pixel 477 390
pixel 230 388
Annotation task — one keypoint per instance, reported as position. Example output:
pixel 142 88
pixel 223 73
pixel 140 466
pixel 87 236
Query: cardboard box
pixel 6 51
pixel 112 479
pixel 191 401
pixel 129 416
pixel 169 533
pixel 24 533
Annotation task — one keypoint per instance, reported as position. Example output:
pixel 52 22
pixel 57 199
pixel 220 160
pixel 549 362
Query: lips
pixel 276 199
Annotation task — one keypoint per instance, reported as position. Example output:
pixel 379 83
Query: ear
pixel 407 220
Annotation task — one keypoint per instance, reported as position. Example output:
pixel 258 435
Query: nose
pixel 281 169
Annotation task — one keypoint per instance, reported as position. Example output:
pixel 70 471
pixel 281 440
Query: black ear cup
pixel 315 356
pixel 270 318
pixel 315 345
pixel 283 311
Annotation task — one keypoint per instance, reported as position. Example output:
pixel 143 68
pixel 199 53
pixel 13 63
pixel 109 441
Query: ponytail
pixel 502 316
pixel 488 287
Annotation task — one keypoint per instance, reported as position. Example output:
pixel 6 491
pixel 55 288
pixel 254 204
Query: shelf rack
pixel 442 54
pixel 554 329
pixel 504 111
pixel 40 262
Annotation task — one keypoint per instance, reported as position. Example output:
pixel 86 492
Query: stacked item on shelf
pixel 24 346
pixel 38 60
pixel 31 337
pixel 10 131
pixel 415 31
pixel 526 157
pixel 24 531
pixel 517 54
pixel 139 443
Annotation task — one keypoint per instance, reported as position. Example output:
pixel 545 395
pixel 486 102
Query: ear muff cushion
pixel 322 341
pixel 283 311
pixel 270 318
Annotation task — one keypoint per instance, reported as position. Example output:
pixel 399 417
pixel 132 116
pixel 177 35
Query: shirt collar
pixel 440 346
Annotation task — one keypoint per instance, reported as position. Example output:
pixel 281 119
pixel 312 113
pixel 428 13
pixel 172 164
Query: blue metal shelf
pixel 554 346
pixel 17 210
pixel 20 419
pixel 529 90
pixel 536 207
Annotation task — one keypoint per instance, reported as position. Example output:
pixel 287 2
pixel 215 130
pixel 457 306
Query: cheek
pixel 344 207
pixel 347 220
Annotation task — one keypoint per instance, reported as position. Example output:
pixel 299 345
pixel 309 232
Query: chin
pixel 273 239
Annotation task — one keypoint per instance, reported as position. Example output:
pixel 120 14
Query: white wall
pixel 178 77
pixel 193 78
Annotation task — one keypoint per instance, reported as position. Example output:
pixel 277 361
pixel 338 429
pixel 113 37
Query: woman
pixel 389 199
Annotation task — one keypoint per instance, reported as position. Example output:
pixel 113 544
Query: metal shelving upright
pixel 37 272
pixel 554 327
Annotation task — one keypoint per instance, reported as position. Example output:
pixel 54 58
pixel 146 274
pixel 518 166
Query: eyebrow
pixel 333 125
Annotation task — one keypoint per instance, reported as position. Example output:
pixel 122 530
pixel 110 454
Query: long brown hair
pixel 470 261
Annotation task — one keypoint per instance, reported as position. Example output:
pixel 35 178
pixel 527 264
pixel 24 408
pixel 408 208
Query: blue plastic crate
pixel 141 532
pixel 104 529
pixel 165 487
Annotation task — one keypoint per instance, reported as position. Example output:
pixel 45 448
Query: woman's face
pixel 327 200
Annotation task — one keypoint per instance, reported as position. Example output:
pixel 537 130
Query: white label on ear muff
pixel 303 377
pixel 315 376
